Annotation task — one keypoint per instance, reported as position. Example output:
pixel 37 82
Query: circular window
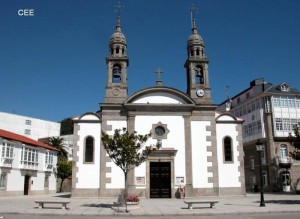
pixel 160 131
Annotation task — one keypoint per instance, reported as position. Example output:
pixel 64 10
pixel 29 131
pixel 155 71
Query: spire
pixel 194 27
pixel 118 27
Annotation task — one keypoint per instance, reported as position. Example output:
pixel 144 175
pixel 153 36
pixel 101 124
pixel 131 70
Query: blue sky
pixel 52 65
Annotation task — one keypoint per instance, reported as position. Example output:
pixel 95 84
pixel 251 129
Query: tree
pixel 64 170
pixel 66 126
pixel 295 141
pixel 57 142
pixel 124 150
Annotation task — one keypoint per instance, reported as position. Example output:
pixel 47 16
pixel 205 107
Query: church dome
pixel 118 37
pixel 195 38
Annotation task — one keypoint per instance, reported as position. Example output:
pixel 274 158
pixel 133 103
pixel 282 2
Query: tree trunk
pixel 126 189
pixel 61 184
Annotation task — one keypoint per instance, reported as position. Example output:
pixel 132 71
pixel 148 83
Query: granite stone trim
pixel 241 167
pixel 103 160
pixel 188 157
pixel 75 168
pixel 160 159
pixel 214 179
pixel 232 191
pixel 131 175
pixel 205 192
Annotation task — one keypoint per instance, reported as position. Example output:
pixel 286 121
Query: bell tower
pixel 117 63
pixel 197 68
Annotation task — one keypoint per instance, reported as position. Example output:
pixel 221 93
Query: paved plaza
pixel 160 207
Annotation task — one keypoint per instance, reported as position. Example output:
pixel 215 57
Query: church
pixel 199 146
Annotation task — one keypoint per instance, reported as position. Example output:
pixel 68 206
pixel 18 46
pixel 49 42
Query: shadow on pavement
pixel 98 205
pixel 283 202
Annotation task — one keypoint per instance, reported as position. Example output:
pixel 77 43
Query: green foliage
pixel 295 141
pixel 64 170
pixel 57 142
pixel 123 148
pixel 66 127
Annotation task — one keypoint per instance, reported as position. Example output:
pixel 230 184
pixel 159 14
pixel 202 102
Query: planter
pixel 132 203
pixel 286 188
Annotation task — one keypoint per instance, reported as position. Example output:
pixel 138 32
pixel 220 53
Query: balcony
pixel 6 162
pixel 29 165
pixel 285 162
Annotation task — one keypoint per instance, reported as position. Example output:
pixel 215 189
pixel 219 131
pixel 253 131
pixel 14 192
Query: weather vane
pixel 193 10
pixel 118 8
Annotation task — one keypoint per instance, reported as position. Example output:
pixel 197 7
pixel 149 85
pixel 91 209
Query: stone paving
pixel 159 207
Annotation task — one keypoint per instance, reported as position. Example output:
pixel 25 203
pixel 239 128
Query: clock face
pixel 200 92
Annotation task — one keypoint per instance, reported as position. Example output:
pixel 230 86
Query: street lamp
pixel 259 148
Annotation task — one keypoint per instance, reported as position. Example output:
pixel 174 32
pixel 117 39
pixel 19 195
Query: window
pixel 28 122
pixel 29 156
pixel 247 95
pixel 278 123
pixel 46 182
pixel 253 106
pixel 238 100
pixel 285 87
pixel 257 104
pixel 2 181
pixel 264 178
pixel 227 149
pixel 263 155
pixel 283 151
pixel 27 132
pixel 7 150
pixel 89 150
pixel 49 158
pixel 252 163
pixel 160 131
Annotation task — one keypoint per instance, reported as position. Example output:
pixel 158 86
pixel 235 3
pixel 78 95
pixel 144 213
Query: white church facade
pixel 199 146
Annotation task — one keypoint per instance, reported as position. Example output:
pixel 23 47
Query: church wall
pixel 87 175
pixel 229 174
pixel 200 153
pixel 175 139
pixel 115 174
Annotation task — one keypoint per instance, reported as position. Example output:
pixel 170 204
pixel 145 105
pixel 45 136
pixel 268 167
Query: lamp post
pixel 259 148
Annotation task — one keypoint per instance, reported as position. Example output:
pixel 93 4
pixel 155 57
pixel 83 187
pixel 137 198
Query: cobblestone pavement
pixel 162 207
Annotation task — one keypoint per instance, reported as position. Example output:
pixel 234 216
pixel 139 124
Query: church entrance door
pixel 160 180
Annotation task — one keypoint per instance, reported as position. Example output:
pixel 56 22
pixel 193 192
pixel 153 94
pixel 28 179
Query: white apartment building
pixel 269 113
pixel 27 126
pixel 26 166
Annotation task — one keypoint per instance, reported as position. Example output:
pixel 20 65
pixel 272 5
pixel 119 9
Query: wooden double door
pixel 160 180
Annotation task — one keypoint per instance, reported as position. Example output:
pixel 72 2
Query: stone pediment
pixel 159 95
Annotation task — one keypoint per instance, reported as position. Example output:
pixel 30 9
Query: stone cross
pixel 158 71
pixel 119 7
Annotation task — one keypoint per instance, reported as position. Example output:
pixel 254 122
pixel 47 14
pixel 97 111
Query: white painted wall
pixel 88 174
pixel 228 172
pixel 175 139
pixel 38 128
pixel 15 180
pixel 116 174
pixel 159 97
pixel 200 154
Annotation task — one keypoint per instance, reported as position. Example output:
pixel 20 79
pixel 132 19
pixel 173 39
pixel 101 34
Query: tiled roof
pixel 23 139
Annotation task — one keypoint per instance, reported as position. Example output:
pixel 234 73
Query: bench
pixel 62 202
pixel 190 203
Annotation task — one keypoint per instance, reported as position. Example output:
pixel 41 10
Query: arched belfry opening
pixel 199 75
pixel 117 74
